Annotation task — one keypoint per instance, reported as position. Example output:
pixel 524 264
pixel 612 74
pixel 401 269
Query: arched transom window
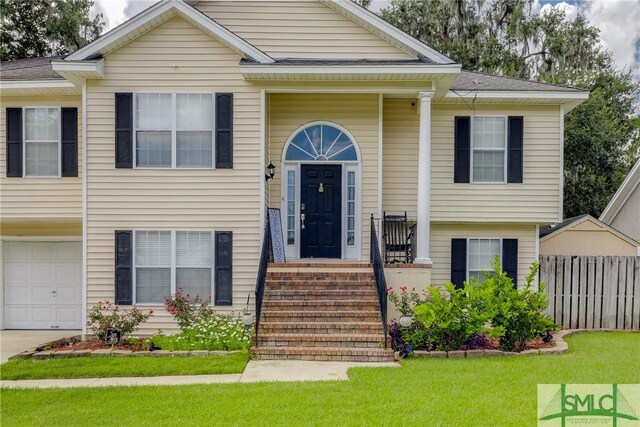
pixel 323 143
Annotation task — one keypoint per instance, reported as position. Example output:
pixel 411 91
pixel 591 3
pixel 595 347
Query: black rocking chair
pixel 398 237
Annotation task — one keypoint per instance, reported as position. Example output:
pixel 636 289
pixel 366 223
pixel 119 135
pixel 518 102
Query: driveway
pixel 14 342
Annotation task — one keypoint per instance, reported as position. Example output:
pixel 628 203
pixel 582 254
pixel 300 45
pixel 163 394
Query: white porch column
pixel 424 180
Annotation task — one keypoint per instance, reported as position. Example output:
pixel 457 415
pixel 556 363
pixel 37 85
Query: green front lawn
pixel 496 391
pixel 115 366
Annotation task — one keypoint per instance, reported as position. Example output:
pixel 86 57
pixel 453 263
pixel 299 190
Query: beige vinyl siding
pixel 441 235
pixel 358 114
pixel 39 198
pixel 174 57
pixel 400 157
pixel 299 29
pixel 536 200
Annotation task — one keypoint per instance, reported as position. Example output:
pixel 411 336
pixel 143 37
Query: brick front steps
pixel 321 312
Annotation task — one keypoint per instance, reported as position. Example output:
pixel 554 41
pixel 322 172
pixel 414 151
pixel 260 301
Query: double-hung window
pixel 489 146
pixel 42 142
pixel 481 255
pixel 167 261
pixel 174 130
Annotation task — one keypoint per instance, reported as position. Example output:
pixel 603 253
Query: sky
pixel 618 21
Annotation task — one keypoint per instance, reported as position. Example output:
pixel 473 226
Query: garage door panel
pixel 16 251
pixel 32 271
pixel 42 273
pixel 42 252
pixel 67 273
pixel 17 273
pixel 69 252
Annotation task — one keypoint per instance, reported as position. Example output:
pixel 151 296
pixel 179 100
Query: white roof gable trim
pixel 154 16
pixel 596 222
pixel 622 195
pixel 388 32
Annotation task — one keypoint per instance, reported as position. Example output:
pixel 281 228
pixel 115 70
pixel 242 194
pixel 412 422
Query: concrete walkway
pixel 256 371
pixel 14 342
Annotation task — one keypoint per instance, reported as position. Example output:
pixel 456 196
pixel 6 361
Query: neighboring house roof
pixel 473 80
pixel 622 195
pixel 29 69
pixel 549 230
pixel 573 222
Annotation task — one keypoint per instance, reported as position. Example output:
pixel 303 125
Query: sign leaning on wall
pixel 277 239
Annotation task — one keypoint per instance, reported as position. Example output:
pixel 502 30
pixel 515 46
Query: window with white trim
pixel 42 142
pixel 167 261
pixel 489 148
pixel 174 130
pixel 291 207
pixel 351 208
pixel 481 254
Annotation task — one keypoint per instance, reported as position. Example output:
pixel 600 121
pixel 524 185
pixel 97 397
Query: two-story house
pixel 136 165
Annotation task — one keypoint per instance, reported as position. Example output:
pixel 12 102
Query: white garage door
pixel 42 285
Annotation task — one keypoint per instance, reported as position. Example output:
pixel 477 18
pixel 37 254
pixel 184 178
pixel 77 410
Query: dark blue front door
pixel 321 205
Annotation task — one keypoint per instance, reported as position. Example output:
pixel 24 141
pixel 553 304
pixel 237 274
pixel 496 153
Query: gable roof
pixel 154 16
pixel 386 31
pixel 622 195
pixel 577 220
pixel 29 69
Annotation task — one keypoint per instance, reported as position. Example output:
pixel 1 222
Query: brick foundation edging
pixel 560 347
pixel 41 352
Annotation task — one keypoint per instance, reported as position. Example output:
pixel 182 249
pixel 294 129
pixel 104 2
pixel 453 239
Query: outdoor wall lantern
pixel 271 171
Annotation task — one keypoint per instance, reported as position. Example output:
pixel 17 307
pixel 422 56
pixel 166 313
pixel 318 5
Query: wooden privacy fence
pixel 593 292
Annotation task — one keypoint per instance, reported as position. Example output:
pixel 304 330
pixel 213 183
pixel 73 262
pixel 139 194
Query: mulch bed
pixel 96 344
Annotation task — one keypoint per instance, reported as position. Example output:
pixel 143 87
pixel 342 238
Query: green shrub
pixel 493 307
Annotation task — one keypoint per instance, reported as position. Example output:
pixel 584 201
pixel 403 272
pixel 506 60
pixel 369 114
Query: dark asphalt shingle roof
pixel 40 69
pixel 472 80
pixel 559 226
pixel 29 69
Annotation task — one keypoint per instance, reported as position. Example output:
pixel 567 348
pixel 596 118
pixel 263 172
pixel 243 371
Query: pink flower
pixel 150 311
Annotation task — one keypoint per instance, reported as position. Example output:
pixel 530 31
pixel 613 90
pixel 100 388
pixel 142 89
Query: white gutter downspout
pixel 84 207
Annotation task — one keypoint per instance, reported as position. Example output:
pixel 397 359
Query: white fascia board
pixel 350 69
pixel 512 94
pixel 85 67
pixel 622 194
pixel 349 8
pixel 182 9
pixel 36 84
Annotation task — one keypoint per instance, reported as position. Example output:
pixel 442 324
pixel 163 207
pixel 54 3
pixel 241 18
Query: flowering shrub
pixel 405 300
pixel 217 332
pixel 105 315
pixel 187 310
pixel 201 328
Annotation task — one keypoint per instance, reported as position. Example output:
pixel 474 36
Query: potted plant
pixel 404 301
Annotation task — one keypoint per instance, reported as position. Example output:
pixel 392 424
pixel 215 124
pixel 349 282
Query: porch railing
pixel 378 272
pixel 265 256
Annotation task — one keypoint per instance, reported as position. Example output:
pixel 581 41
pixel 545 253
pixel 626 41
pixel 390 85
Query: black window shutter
pixel 224 131
pixel 515 144
pixel 14 142
pixel 69 121
pixel 124 130
pixel 124 270
pixel 510 259
pixel 224 263
pixel 462 155
pixel 458 262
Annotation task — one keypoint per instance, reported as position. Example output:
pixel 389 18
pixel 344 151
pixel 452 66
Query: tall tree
pixel 36 28
pixel 506 37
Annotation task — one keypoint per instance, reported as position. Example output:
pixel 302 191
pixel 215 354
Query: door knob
pixel 302 221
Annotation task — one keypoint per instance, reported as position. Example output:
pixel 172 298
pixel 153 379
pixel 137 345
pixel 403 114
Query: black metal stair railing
pixel 378 271
pixel 265 256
